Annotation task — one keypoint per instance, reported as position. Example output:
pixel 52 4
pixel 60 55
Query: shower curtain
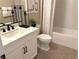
pixel 48 16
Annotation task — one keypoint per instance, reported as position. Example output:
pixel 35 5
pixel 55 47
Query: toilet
pixel 44 41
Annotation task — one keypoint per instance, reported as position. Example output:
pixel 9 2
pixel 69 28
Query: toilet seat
pixel 45 37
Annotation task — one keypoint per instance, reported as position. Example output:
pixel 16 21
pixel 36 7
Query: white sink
pixel 13 35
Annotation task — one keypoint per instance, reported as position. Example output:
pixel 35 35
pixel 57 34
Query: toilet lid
pixel 44 36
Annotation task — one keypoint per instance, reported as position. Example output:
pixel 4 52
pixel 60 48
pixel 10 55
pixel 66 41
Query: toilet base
pixel 44 47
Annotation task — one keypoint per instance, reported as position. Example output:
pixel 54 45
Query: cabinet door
pixel 17 54
pixel 1 47
pixel 31 49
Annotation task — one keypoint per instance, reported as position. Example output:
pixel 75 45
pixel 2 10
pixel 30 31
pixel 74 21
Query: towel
pixel 6 11
pixel 4 8
pixel 9 8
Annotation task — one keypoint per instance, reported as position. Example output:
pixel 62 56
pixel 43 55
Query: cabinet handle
pixel 3 56
pixel 24 50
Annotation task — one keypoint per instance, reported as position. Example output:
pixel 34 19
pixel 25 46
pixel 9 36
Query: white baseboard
pixel 66 38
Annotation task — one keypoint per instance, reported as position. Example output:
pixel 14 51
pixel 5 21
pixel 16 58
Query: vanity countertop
pixel 16 34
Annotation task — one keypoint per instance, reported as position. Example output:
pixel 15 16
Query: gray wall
pixel 5 3
pixel 66 14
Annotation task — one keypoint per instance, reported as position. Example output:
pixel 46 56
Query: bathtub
pixel 66 38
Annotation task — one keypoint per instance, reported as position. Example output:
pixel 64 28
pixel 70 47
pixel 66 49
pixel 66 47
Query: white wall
pixel 66 14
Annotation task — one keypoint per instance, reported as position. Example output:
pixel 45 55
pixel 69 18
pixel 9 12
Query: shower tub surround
pixel 65 37
pixel 20 43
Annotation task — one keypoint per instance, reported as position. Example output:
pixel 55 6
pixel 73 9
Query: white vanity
pixel 20 43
